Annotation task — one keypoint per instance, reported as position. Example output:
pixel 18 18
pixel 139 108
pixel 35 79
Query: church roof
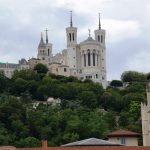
pixel 123 133
pixel 92 142
pixel 90 39
pixel 42 44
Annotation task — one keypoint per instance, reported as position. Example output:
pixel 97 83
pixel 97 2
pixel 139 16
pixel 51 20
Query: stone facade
pixel 145 114
pixel 9 68
pixel 85 60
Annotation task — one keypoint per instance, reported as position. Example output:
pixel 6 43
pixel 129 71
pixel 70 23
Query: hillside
pixel 86 109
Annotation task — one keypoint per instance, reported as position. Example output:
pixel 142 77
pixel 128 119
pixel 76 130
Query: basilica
pixel 84 60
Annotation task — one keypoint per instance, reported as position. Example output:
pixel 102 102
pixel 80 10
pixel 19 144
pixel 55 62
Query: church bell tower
pixel 100 34
pixel 100 38
pixel 71 33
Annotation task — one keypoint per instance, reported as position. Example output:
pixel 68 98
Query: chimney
pixel 44 144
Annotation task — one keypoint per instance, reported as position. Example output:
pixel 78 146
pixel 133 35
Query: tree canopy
pixel 86 109
pixel 41 68
pixel 133 76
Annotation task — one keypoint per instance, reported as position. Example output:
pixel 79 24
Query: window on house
pixel 65 69
pixel 122 140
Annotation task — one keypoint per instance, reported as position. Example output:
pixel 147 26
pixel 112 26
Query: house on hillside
pixel 124 137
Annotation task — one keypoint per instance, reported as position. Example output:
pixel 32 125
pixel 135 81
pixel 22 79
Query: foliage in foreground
pixel 86 109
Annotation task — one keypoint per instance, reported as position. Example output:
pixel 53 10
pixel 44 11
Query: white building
pixel 124 137
pixel 9 68
pixel 85 60
pixel 145 114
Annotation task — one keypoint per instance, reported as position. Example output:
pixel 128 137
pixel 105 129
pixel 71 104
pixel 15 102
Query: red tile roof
pixel 123 133
pixel 91 148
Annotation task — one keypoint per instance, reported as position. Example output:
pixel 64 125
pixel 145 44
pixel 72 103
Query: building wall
pixel 9 68
pixel 129 141
pixel 71 58
pixel 145 115
pixel 58 69
pixel 33 61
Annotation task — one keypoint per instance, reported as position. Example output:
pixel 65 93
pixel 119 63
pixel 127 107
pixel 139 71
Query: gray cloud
pixel 126 23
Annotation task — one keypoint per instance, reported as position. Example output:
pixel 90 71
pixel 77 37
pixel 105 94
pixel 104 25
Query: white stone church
pixel 85 60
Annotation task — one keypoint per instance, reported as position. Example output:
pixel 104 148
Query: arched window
pixel 98 38
pixel 48 52
pixel 96 76
pixel 89 59
pixel 84 60
pixel 70 36
pixel 101 39
pixel 97 60
pixel 73 36
pixel 93 59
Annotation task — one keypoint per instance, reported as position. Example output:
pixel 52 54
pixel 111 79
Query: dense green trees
pixel 3 82
pixel 132 76
pixel 41 68
pixel 116 83
pixel 86 109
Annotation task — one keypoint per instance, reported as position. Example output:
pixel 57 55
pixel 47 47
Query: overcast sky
pixel 127 25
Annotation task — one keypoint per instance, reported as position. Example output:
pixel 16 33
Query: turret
pixel 48 45
pixel 100 34
pixel 44 50
pixel 71 33
pixel 42 43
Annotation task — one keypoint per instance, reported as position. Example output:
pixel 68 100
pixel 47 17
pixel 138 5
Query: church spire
pixel 89 32
pixel 41 36
pixel 46 35
pixel 41 44
pixel 71 24
pixel 99 25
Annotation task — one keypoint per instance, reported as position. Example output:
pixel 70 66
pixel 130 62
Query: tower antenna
pixel 89 32
pixel 46 35
pixel 99 25
pixel 41 36
pixel 71 24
